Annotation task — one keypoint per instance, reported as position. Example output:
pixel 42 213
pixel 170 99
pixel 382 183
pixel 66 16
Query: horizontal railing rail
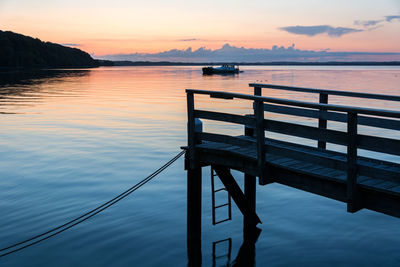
pixel 328 92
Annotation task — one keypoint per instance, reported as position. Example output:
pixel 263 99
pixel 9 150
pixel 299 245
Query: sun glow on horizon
pixel 126 27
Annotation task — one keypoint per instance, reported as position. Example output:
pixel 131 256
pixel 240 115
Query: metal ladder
pixel 213 191
pixel 227 255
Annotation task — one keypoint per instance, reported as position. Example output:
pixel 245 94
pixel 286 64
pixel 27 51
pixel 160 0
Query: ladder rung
pixel 222 240
pixel 221 189
pixel 221 256
pixel 223 221
pixel 223 205
pixel 213 191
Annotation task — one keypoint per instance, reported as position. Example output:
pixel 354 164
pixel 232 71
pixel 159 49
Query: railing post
pixel 322 124
pixel 191 128
pixel 260 135
pixel 257 91
pixel 353 197
pixel 193 189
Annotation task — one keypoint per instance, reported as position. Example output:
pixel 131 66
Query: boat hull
pixel 211 70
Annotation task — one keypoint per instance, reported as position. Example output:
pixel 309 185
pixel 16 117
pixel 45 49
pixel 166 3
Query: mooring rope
pixel 88 214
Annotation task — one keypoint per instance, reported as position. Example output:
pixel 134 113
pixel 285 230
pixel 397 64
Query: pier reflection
pixel 222 249
pixel 247 252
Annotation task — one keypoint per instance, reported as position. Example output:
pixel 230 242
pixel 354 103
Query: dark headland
pixel 20 51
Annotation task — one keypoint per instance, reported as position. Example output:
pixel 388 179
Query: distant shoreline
pixel 277 63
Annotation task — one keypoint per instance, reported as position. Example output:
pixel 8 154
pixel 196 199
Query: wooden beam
pixel 227 139
pixel 330 92
pixel 260 137
pixel 194 216
pixel 250 194
pixel 236 193
pixel 353 196
pixel 191 130
pixel 226 117
pixel 322 123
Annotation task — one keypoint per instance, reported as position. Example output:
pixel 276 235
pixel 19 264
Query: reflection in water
pixel 21 88
pixel 247 252
pixel 226 245
pixel 32 77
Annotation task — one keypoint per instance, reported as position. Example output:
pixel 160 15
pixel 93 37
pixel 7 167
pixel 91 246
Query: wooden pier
pixel 359 181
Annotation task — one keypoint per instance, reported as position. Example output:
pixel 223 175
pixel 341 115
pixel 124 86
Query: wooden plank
pixel 287 110
pixel 227 139
pixel 310 183
pixel 306 155
pixel 260 136
pixel 353 196
pixel 379 171
pixel 327 135
pixel 371 182
pixel 237 194
pixel 386 185
pixel 396 189
pixel 226 117
pixel 308 113
pixel 328 92
pixel 290 163
pixel 337 160
pixel 379 122
pixel 280 161
pixel 379 144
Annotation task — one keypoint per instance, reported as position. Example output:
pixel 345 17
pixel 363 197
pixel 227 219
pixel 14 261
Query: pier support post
pixel 194 216
pixel 250 194
pixel 353 194
pixel 194 187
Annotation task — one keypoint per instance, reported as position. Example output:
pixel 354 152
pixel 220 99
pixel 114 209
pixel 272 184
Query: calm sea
pixel 72 139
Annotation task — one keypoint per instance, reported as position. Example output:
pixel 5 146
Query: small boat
pixel 224 69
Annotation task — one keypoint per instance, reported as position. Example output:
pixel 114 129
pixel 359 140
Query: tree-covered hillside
pixel 20 51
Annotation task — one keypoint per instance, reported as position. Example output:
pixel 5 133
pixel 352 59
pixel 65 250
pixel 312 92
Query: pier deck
pixel 312 170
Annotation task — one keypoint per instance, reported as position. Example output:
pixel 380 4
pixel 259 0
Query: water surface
pixel 71 139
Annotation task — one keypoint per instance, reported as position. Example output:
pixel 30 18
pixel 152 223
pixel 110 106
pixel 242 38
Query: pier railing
pixel 353 116
pixel 323 116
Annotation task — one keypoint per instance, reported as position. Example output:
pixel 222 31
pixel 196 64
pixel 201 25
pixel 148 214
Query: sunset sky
pixel 130 26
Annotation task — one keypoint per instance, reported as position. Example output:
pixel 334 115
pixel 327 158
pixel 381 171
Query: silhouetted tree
pixel 17 50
